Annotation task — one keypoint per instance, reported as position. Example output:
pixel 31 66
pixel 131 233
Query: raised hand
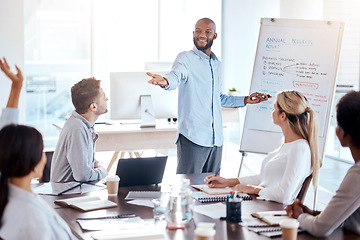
pixel 17 81
pixel 17 78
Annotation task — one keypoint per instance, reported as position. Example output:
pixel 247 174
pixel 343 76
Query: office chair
pixel 46 173
pixel 302 194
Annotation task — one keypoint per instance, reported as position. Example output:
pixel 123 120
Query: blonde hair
pixel 304 122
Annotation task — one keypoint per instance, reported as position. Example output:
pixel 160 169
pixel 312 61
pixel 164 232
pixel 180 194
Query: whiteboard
pixel 291 54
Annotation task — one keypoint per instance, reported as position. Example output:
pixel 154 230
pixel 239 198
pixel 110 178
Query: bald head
pixel 207 21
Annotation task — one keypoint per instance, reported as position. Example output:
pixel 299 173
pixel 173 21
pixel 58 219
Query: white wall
pixel 12 46
pixel 304 9
pixel 240 30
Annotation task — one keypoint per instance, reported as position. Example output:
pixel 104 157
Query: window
pixel 66 41
pixel 348 73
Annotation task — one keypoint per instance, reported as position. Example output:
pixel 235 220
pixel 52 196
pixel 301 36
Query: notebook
pixel 263 228
pixel 143 195
pixel 271 217
pixel 212 191
pixel 141 171
pixel 202 197
pixel 86 203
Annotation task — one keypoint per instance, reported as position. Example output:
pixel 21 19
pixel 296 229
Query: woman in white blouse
pixel 284 170
pixel 23 214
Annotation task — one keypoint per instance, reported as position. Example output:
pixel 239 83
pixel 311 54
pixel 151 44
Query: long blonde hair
pixel 304 122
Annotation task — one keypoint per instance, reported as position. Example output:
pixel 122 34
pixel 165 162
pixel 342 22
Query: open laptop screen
pixel 141 171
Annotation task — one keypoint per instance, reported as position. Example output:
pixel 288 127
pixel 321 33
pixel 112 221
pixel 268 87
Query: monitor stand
pixel 147 112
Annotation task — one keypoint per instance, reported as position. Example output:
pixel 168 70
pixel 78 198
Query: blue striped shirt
pixel 200 99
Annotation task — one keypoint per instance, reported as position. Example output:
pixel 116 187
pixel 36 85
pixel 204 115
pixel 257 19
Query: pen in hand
pixel 217 173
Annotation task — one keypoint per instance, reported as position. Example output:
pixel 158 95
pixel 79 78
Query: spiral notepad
pixel 143 195
pixel 223 198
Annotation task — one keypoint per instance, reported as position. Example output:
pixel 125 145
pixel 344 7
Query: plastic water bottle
pixel 180 204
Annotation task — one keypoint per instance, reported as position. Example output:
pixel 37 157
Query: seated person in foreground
pixel 344 208
pixel 73 158
pixel 10 114
pixel 284 170
pixel 23 214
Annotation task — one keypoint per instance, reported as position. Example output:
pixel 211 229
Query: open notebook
pixel 271 217
pixel 86 203
pixel 212 191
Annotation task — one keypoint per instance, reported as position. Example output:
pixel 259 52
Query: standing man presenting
pixel 73 158
pixel 197 73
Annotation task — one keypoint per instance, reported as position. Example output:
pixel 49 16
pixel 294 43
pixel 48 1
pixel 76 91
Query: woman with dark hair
pixel 344 208
pixel 23 214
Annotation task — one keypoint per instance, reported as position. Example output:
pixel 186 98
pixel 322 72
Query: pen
pixel 217 173
pixel 131 215
pixel 69 189
pixel 268 95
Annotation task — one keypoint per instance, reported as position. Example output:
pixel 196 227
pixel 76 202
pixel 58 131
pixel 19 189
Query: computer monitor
pixel 133 98
pixel 158 66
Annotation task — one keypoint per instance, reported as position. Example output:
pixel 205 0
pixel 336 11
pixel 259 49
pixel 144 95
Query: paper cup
pixel 289 228
pixel 204 233
pixel 112 184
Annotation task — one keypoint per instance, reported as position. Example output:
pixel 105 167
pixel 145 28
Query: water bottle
pixel 180 203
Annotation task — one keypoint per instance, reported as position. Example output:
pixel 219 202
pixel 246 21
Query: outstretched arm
pixel 17 80
pixel 158 80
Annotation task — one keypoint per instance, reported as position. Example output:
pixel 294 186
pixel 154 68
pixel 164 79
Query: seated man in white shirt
pixel 10 113
pixel 73 158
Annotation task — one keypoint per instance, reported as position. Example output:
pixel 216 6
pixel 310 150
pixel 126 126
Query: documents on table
pixel 142 202
pixel 52 188
pixel 149 234
pixel 215 211
pixel 111 223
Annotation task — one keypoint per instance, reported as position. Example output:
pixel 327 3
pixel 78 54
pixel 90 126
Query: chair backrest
pixel 46 173
pixel 302 194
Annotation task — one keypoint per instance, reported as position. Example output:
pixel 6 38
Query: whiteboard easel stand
pixel 243 155
pixel 277 42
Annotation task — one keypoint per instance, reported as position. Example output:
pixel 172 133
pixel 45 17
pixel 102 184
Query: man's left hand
pixel 256 98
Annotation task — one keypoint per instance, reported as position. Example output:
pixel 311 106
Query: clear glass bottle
pixel 180 203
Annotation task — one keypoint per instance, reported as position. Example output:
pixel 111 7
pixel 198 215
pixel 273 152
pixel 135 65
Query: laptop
pixel 141 171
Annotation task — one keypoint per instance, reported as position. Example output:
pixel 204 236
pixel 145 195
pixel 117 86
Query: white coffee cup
pixel 112 184
pixel 204 233
pixel 289 228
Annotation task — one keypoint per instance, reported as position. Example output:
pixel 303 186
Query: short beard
pixel 207 46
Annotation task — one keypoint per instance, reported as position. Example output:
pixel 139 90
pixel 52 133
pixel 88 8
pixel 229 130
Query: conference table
pixel 130 137
pixel 122 136
pixel 224 230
